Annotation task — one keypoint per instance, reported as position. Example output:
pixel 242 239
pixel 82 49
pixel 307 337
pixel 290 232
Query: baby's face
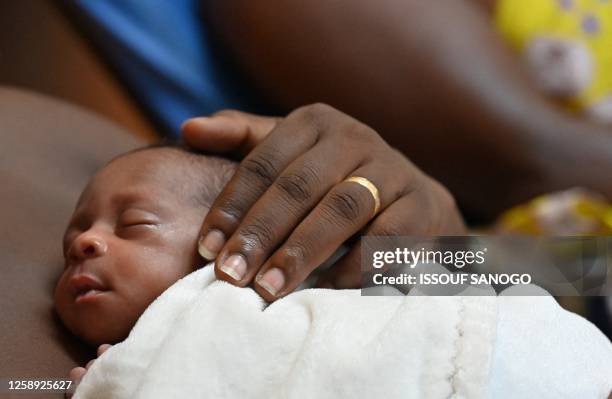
pixel 132 235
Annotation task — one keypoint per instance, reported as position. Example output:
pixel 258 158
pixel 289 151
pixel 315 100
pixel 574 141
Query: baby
pixel 132 235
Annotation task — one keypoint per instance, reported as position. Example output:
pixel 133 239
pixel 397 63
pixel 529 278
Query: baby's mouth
pixel 85 287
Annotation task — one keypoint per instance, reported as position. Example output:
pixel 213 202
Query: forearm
pixel 432 78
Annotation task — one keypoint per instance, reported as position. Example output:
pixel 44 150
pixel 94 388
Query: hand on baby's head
pixel 132 235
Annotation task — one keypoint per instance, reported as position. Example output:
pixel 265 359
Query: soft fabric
pixel 543 351
pixel 207 339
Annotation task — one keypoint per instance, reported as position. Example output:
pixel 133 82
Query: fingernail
pixel 272 281
pixel 210 244
pixel 190 120
pixel 235 266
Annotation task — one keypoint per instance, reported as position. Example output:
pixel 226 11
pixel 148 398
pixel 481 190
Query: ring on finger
pixel 362 181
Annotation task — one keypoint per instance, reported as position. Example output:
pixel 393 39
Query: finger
pixel 103 348
pixel 253 177
pixel 76 374
pixel 281 208
pixel 346 209
pixel 89 364
pixel 227 131
pixel 404 217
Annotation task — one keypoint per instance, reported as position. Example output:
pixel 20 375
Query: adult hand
pixel 288 207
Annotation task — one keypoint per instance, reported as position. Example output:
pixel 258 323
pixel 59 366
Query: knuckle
pixel 257 235
pixel 317 116
pixel 298 186
pixel 414 183
pixel 322 108
pixel 361 132
pixel 389 228
pixel 262 167
pixel 291 258
pixel 231 209
pixel 344 206
pixel 315 110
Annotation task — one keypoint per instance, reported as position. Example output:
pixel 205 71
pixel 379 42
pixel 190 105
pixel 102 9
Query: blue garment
pixel 162 52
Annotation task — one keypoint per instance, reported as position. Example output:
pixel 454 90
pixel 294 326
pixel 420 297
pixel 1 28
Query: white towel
pixel 207 339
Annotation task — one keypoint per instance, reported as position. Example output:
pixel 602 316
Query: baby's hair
pixel 204 175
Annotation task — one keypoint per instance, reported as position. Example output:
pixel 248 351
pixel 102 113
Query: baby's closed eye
pixel 136 222
pixel 137 217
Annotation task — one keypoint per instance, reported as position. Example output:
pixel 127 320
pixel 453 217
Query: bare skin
pixel 434 79
pixel 288 208
pixel 134 234
pixel 129 239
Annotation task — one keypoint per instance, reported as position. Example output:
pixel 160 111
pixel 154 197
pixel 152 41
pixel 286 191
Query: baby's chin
pixel 96 325
pixel 94 335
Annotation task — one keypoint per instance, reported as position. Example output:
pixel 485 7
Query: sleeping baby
pixel 132 274
pixel 132 235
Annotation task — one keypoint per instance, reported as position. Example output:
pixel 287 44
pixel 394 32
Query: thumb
pixel 227 131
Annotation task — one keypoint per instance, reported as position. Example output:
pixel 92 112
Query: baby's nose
pixel 87 246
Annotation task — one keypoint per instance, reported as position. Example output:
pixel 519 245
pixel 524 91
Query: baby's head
pixel 133 234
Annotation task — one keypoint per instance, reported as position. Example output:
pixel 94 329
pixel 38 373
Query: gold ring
pixel 371 188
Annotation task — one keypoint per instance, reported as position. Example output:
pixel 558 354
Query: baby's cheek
pixel 141 281
pixel 145 272
pixel 61 296
pixel 161 278
pixel 109 320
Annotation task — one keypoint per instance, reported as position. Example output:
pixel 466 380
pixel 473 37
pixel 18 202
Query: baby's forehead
pixel 145 164
pixel 149 170
pixel 163 172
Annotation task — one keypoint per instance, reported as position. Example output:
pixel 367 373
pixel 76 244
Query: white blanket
pixel 207 339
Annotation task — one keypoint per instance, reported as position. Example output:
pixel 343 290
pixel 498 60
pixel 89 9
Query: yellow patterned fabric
pixel 588 22
pixel 572 212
